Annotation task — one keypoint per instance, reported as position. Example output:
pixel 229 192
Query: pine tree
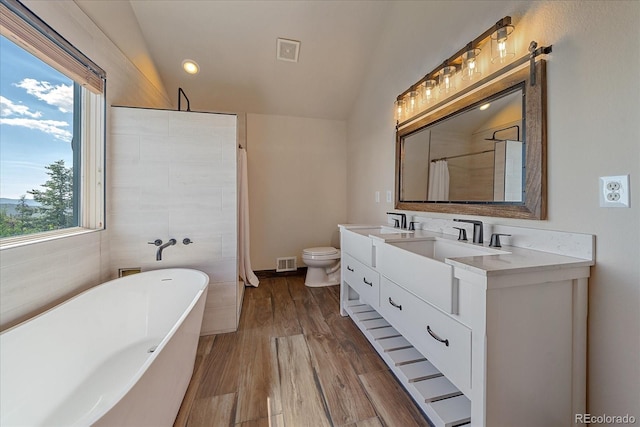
pixel 56 199
pixel 24 217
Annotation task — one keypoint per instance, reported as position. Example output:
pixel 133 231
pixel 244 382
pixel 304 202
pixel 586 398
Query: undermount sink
pixel 391 230
pixel 440 250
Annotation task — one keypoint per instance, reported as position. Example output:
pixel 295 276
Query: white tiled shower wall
pixel 173 175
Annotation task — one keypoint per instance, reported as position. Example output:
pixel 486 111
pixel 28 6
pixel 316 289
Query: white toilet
pixel 323 266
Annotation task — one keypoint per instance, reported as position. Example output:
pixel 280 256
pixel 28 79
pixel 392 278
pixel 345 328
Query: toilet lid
pixel 324 250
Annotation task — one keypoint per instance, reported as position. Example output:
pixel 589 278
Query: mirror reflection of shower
pixel 481 149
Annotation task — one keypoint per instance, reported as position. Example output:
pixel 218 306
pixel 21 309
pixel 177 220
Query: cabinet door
pixel 364 280
pixel 445 342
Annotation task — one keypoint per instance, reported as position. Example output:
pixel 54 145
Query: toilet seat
pixel 320 253
pixel 323 250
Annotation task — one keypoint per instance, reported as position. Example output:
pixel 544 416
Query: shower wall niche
pixel 173 174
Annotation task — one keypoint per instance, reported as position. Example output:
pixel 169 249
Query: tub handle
pixel 156 242
pixel 187 241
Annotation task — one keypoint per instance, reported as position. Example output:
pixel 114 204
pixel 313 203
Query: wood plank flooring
pixel 293 362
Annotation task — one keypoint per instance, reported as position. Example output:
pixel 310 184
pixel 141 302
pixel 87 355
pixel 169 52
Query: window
pixel 51 132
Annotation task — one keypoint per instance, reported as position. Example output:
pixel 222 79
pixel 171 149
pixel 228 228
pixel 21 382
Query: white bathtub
pixel 89 361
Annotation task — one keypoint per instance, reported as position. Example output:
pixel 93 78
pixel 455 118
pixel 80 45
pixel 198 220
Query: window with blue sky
pixel 52 129
pixel 37 191
pixel 36 120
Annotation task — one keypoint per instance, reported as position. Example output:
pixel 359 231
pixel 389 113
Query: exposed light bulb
pixel 447 79
pixel 412 103
pixel 470 69
pixel 428 92
pixel 399 110
pixel 501 50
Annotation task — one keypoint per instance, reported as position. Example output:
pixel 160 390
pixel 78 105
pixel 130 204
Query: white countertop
pixel 517 260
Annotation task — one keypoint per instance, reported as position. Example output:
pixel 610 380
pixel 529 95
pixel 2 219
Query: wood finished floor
pixel 293 362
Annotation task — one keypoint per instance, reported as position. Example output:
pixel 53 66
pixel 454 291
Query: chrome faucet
pixel 477 229
pixel 171 242
pixel 403 218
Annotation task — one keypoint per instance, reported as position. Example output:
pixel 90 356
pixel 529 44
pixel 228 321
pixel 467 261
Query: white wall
pixel 593 131
pixel 173 175
pixel 297 194
pixel 37 276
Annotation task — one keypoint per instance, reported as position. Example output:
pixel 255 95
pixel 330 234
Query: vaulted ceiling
pixel 234 42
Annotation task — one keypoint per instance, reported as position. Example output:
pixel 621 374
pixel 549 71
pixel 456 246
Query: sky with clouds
pixel 36 120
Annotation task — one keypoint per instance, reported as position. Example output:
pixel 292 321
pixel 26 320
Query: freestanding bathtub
pixel 119 354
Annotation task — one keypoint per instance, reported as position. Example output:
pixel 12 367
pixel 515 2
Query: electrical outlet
pixel 389 196
pixel 377 197
pixel 614 191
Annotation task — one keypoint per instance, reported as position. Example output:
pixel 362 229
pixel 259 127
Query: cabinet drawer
pixel 364 280
pixel 443 341
pixel 358 246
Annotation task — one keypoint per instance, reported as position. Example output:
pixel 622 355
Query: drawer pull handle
pixel 437 338
pixel 398 306
pixel 349 268
pixel 365 281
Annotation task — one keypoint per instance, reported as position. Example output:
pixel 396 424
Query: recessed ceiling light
pixel 484 106
pixel 190 66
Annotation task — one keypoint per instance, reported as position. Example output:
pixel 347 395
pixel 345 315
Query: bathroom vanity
pixel 478 336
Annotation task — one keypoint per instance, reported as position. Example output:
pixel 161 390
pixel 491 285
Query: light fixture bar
pixel 456 59
pixel 507 68
pixel 533 52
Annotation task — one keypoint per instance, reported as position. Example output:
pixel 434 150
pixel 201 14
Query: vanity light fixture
pixel 465 60
pixel 190 66
pixel 501 50
pixel 446 79
pixel 485 106
pixel 428 92
pixel 470 70
pixel 399 110
pixel 412 102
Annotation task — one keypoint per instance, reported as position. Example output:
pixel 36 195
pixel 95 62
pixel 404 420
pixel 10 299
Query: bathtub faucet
pixel 171 242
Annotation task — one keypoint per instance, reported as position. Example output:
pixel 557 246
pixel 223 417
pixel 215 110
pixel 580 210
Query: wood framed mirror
pixel 455 159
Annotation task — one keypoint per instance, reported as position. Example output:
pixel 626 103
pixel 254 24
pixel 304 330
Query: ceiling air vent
pixel 288 50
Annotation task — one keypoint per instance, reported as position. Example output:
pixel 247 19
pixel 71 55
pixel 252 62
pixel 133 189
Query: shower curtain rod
pixel 462 155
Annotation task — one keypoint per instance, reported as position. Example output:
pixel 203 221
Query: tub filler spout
pixel 171 242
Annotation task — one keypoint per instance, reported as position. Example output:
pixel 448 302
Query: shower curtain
pixel 244 261
pixel 438 181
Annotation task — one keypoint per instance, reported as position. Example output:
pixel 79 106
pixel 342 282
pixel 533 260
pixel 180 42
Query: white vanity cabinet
pixel 364 280
pixel 357 269
pixel 446 341
pixel 494 340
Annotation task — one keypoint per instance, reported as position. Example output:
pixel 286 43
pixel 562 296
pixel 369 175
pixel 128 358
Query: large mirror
pixel 481 154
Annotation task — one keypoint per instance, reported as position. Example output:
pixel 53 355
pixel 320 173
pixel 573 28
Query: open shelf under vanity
pixel 437 397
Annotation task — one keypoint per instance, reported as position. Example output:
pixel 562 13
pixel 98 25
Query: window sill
pixel 30 239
